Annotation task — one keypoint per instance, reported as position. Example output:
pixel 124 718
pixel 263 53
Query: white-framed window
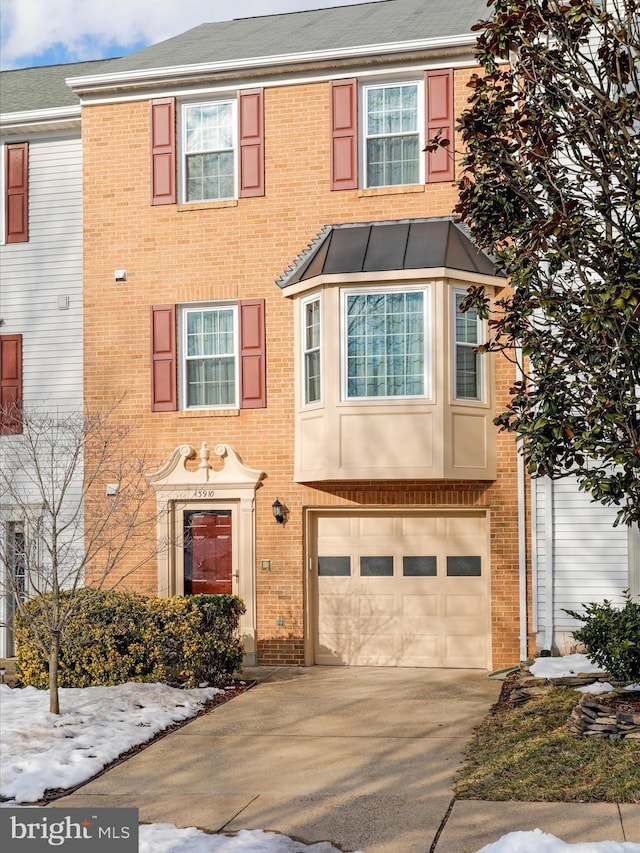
pixel 467 364
pixel 209 146
pixel 385 343
pixel 209 356
pixel 393 139
pixel 311 350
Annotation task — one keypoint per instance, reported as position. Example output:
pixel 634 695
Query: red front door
pixel 207 552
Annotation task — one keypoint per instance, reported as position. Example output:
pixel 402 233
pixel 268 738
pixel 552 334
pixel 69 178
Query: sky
pixel 47 32
pixel 97 724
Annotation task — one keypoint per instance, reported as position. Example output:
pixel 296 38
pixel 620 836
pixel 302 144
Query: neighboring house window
pixel 16 192
pixel 220 350
pixel 209 139
pixel 221 149
pixel 396 119
pixel 385 349
pixel 466 361
pixel 311 350
pixel 209 357
pixel 10 384
pixel 392 139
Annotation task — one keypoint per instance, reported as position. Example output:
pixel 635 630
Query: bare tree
pixel 81 514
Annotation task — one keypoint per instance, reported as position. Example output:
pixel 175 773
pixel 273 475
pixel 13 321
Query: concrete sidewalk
pixel 363 757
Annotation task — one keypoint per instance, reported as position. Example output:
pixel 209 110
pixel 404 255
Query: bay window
pixel 466 361
pixel 385 344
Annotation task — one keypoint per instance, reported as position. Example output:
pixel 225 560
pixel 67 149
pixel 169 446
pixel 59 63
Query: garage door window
pixel 376 567
pixel 334 566
pixel 419 567
pixel 464 567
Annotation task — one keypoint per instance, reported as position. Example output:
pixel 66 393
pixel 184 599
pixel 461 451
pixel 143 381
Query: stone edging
pixel 594 715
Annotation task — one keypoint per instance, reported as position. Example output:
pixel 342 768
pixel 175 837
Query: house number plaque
pixel 203 493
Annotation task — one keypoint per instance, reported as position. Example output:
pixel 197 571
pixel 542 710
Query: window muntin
pixel 210 354
pixel 392 138
pixel 385 344
pixel 311 345
pixel 209 151
pixel 467 373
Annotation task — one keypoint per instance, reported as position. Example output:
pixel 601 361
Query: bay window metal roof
pixel 401 244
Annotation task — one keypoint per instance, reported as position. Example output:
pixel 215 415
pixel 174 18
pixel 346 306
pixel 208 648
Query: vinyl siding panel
pixel 590 555
pixel 34 275
pixel 48 266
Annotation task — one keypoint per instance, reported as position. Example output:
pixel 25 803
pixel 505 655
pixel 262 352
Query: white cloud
pixel 89 29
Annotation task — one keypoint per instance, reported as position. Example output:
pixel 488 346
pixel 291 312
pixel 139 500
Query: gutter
pixel 522 534
pixel 147 76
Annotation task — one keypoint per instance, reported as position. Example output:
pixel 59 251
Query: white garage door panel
pixel 402 620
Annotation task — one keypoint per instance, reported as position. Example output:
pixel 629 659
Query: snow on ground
pixel 41 751
pixel 571 665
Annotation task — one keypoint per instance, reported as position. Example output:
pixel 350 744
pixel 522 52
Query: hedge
pixel 114 637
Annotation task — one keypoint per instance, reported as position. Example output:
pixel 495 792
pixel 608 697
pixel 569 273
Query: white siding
pixel 34 275
pixel 590 556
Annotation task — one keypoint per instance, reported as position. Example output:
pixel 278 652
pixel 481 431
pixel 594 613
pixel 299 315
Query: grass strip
pixel 528 753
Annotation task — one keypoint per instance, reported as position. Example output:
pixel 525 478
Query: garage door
pixel 402 590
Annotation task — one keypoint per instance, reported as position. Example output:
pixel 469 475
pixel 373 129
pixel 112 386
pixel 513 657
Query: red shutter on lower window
pixel 251 133
pixel 438 87
pixel 163 151
pixel 253 374
pixel 163 358
pixel 10 384
pixel 344 134
pixel 16 184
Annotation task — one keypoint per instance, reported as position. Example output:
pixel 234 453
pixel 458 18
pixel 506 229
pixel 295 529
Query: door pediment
pixel 175 476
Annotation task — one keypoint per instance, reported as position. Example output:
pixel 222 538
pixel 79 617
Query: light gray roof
pixel 43 87
pixel 393 244
pixel 384 22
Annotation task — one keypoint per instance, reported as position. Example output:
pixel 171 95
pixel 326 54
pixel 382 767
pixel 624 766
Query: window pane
pixel 464 567
pixel 423 567
pixel 312 369
pixel 334 566
pixel 378 567
pixel 385 344
pixel 209 144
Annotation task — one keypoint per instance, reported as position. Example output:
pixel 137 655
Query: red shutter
pixel 253 391
pixel 251 132
pixel 438 87
pixel 344 134
pixel 10 384
pixel 17 192
pixel 163 151
pixel 163 358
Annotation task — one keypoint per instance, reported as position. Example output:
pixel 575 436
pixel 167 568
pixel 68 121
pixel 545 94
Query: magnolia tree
pixel 79 499
pixel 551 187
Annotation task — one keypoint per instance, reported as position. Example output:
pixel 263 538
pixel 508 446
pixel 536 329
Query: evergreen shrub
pixel 113 637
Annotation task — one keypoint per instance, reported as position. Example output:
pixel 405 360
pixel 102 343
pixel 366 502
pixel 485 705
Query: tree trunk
pixel 54 702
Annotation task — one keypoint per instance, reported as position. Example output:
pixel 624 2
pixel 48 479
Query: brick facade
pixel 235 250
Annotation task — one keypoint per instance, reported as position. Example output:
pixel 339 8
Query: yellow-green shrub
pixel 113 637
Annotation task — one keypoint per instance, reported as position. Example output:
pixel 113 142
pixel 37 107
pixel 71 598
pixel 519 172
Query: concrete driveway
pixel 363 757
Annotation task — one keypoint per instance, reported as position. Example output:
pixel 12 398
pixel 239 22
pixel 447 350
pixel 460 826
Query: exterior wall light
pixel 278 511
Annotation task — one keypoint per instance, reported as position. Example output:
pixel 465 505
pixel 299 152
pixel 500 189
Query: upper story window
pixel 210 353
pixel 392 140
pixel 312 377
pixel 209 151
pixel 385 350
pixel 218 153
pixel 467 373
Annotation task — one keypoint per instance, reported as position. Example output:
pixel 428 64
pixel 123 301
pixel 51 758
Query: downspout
pixel 535 595
pixel 522 533
pixel 549 529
